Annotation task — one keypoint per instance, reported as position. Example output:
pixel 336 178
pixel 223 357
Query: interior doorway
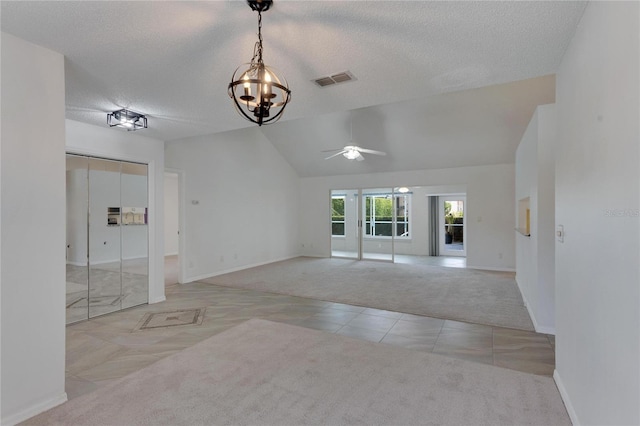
pixel 171 228
pixel 451 223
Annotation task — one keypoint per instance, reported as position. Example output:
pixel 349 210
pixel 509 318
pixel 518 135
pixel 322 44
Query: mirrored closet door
pixel 107 236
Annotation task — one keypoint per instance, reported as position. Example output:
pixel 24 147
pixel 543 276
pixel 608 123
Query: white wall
pixel 597 202
pixel 489 215
pixel 241 202
pixel 535 255
pixel 118 144
pixel 171 224
pixel 33 230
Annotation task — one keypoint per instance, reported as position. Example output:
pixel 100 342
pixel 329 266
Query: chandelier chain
pixel 257 50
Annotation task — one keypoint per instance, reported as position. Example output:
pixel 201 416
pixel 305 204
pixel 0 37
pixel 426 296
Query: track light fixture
pixel 258 94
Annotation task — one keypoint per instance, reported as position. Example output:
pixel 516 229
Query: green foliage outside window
pixel 337 216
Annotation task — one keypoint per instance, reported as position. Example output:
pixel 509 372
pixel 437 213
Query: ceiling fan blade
pixel 336 154
pixel 371 151
pixel 334 149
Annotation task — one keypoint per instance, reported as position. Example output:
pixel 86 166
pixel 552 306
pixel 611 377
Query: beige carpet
pixel 481 297
pixel 266 373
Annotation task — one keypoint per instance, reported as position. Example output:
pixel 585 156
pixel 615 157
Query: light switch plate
pixel 560 233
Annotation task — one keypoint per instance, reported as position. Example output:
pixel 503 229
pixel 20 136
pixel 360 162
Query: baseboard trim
pixel 537 327
pixel 545 330
pixel 573 416
pixel 171 254
pixel 34 410
pixel 158 300
pixel 102 262
pixel 491 268
pixel 239 268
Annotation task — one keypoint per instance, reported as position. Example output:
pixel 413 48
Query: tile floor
pixel 106 348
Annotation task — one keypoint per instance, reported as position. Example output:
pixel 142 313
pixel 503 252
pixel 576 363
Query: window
pixel 337 215
pixel 379 215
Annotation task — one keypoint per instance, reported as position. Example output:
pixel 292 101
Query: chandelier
pixel 258 94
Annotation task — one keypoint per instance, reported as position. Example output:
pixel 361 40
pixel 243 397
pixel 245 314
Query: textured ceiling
pixel 466 128
pixel 173 60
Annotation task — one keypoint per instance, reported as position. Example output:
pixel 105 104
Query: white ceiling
pixel 173 60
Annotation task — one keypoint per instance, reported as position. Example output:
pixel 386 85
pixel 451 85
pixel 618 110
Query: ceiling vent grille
pixel 340 77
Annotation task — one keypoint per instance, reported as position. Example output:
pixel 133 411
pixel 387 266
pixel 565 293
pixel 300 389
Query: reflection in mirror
pixel 134 215
pixel 105 292
pixel 77 272
pixel 107 241
pixel 135 257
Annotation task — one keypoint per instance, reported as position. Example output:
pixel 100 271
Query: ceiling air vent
pixel 340 77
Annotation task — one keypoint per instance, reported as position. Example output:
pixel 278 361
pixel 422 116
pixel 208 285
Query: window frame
pixel 343 221
pixel 369 225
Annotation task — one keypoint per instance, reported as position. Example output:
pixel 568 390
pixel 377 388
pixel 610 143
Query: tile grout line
pixel 385 334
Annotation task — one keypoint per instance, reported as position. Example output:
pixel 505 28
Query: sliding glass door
pixel 345 232
pixel 379 218
pixel 364 223
pixel 452 233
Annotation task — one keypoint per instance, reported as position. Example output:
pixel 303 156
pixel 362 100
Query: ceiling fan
pixel 353 152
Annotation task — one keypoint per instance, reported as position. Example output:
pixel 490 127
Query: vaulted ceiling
pixel 438 84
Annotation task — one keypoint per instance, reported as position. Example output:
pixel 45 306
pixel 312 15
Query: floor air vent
pixel 334 79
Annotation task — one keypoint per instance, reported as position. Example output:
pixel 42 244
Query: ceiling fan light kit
pixel 258 94
pixel 353 152
pixel 127 120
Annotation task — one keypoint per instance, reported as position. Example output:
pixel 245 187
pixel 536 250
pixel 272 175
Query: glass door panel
pixel 344 224
pixel 105 287
pixel 378 224
pixel 452 229
pixel 76 256
pixel 134 230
